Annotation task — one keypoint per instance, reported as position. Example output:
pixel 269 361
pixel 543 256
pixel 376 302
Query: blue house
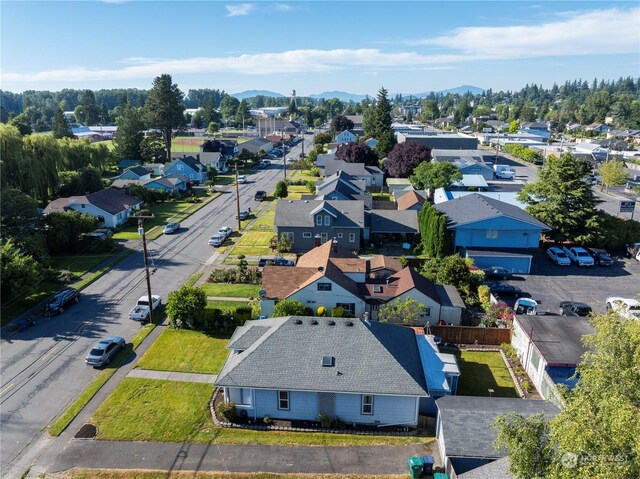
pixel 188 168
pixel 124 164
pixel 296 368
pixel 492 232
pixel 135 173
pixel 173 184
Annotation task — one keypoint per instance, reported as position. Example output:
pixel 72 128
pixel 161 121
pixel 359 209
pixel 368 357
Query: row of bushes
pixel 214 319
pixel 238 276
pixel 524 153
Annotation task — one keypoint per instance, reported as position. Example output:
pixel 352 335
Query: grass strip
pixel 136 474
pixel 193 279
pixel 81 401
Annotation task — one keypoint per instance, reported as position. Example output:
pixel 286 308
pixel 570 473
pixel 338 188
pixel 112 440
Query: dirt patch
pixel 88 431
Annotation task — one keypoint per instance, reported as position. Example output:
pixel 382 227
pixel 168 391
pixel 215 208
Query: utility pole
pixel 237 198
pixel 284 156
pixel 146 263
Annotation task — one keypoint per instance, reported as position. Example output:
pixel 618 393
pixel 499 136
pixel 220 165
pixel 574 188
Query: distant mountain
pixel 460 90
pixel 340 95
pixel 251 93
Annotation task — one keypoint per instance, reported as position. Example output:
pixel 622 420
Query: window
pixel 180 167
pixel 425 312
pixel 283 400
pixel 352 237
pixel 319 220
pixel 83 206
pixel 349 308
pixel 324 237
pixel 324 286
pixel 492 234
pixel 367 404
pixel 245 396
pixel 340 235
pixel 327 220
pixel 306 235
pixel 289 235
pixel 327 361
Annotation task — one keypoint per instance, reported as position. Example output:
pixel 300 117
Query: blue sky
pixel 312 47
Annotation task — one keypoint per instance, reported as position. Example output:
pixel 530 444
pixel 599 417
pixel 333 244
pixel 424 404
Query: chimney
pixel 316 240
pixel 198 156
pixel 184 156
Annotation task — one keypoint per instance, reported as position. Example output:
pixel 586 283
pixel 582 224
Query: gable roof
pixel 341 182
pixel 123 164
pixel 466 422
pixel 109 200
pixel 354 169
pixel 475 208
pixel 138 170
pixel 380 261
pixel 410 199
pixel 394 221
pixel 191 162
pixel 349 214
pixel 369 358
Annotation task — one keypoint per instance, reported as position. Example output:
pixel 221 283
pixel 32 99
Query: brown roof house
pixel 333 277
pixel 110 206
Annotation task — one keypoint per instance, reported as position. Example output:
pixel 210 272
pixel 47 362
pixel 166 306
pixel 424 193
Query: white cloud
pixel 612 31
pixel 282 7
pixel 239 9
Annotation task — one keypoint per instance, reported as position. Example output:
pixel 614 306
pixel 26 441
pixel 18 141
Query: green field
pixel 79 264
pixel 224 305
pixel 186 351
pixel 254 243
pixel 157 410
pixel 231 290
pixel 481 371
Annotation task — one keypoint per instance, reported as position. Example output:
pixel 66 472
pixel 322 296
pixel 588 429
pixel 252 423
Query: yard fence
pixel 471 335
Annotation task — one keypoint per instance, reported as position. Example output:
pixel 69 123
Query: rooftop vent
pixel 349 323
pixel 313 321
pixel 331 322
pixel 321 268
pixel 328 361
pixel 297 321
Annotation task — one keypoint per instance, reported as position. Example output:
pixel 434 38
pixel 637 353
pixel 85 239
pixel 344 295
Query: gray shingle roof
pixel 244 336
pixel 350 214
pixel 113 200
pixel 394 221
pixel 466 422
pixel 494 470
pixel 474 208
pixel 558 338
pixel 355 169
pixel 191 162
pixel 373 358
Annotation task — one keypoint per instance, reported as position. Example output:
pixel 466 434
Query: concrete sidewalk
pixel 240 458
pixel 172 376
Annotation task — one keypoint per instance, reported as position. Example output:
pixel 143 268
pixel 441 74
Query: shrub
pixel 243 313
pixel 509 350
pixel 308 311
pixel 315 171
pixel 281 190
pixel 311 186
pixel 321 311
pixel 339 424
pixel 525 386
pixel 226 411
pixel 337 312
pixel 325 421
pixel 242 275
pixel 267 420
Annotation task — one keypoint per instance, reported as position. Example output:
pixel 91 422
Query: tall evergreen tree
pixel 90 110
pixel 61 127
pixel 164 108
pixel 130 134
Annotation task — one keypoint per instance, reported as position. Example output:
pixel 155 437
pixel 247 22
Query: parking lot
pixel 549 284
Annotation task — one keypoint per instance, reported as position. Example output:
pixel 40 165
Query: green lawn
pixel 186 351
pixel 231 290
pixel 296 192
pixel 223 305
pixel 14 307
pixel 481 371
pixel 80 264
pixel 265 221
pixel 157 410
pixel 254 243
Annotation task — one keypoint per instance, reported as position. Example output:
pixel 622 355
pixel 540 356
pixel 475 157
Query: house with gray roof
pixel 550 348
pixel 342 186
pixel 492 232
pixel 309 222
pixel 189 168
pixel 464 433
pixel 469 162
pixel 111 206
pixel 358 371
pixel 452 141
pixel 371 175
pixel 322 159
pixel 135 173
pixel 256 145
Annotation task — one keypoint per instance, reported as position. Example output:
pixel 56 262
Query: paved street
pixel 43 370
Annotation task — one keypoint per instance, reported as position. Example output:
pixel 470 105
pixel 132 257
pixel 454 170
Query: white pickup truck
pixel 140 312
pixel 504 172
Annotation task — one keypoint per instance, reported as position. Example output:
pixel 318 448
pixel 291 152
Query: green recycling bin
pixel 440 475
pixel 416 466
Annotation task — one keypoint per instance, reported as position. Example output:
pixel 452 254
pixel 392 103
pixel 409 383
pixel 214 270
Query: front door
pixel 324 237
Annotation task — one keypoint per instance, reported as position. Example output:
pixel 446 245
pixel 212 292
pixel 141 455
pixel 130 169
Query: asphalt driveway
pixel 549 284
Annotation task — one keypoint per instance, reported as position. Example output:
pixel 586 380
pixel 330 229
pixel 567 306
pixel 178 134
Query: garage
pixel 518 261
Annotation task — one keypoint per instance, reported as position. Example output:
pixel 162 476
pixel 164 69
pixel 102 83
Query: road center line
pixel 51 351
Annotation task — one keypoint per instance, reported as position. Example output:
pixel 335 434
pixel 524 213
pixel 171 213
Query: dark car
pixel 497 272
pixel 260 195
pixel 571 308
pixel 504 289
pixel 277 261
pixel 600 256
pixel 60 300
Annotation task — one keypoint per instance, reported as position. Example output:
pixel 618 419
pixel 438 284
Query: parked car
pixel 504 289
pixel 572 308
pixel 225 231
pixel 579 255
pixel 216 240
pixel 171 228
pixel 633 250
pixel 600 257
pixel 244 214
pixel 61 300
pixel 497 272
pixel 141 312
pixel 625 307
pixel 260 195
pixel 242 179
pixel 104 351
pixel 558 256
pixel 277 261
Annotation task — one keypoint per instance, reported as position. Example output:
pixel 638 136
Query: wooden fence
pixel 471 335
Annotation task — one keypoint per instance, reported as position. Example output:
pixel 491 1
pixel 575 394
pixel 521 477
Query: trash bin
pixel 415 466
pixel 427 465
pixel 440 475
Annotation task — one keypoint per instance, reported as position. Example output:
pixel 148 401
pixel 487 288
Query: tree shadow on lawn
pixel 476 379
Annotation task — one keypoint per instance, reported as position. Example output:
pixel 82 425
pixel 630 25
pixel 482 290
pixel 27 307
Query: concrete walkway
pixel 172 376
